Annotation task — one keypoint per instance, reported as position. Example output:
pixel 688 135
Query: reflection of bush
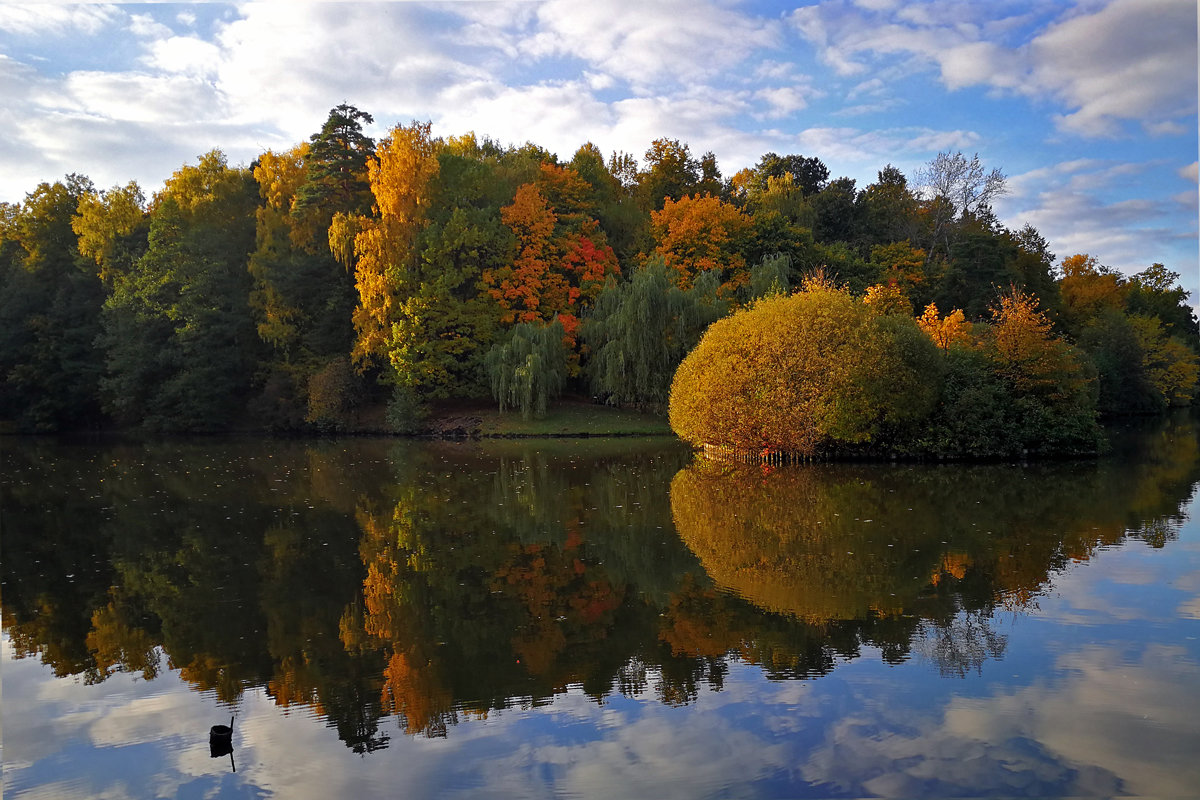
pixel 800 541
pixel 841 542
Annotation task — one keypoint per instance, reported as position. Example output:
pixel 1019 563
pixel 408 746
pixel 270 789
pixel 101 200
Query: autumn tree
pixel 1088 288
pixel 699 234
pixel 1051 385
pixel 798 373
pixel 888 298
pixel 112 228
pixel 952 329
pixel 562 257
pixel 902 265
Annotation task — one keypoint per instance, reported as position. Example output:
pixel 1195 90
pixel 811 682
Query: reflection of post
pixel 220 742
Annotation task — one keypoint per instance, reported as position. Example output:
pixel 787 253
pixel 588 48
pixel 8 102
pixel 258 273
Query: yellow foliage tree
pixel 384 247
pixel 793 373
pixel 1171 367
pixel 952 329
pixel 1087 289
pixel 888 298
pixel 104 224
pixel 1028 353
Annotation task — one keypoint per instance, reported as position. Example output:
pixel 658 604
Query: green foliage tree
pixel 808 172
pixel 50 298
pixel 335 172
pixel 529 369
pixel 836 212
pixel 177 331
pixel 770 276
pixel 671 173
pixel 639 331
pixel 301 299
pixel 888 209
pixel 1156 291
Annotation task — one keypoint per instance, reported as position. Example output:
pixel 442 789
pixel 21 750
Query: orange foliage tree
pixel 697 234
pixel 562 256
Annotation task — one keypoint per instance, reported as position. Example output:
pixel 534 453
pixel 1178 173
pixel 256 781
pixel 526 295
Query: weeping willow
pixel 528 368
pixel 639 332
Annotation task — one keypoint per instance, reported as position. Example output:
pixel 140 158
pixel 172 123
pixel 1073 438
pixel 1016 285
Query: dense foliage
pixel 822 370
pixel 793 372
pixel 326 280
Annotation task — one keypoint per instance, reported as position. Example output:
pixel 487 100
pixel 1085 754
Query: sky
pixel 1088 107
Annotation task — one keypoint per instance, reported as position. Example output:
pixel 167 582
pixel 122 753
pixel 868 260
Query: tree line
pixel 345 275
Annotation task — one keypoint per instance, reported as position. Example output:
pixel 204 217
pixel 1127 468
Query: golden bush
pixel 793 373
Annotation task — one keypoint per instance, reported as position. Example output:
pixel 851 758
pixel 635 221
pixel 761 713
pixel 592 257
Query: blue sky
pixel 1089 107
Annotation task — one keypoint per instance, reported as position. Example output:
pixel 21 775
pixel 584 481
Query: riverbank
pixel 565 418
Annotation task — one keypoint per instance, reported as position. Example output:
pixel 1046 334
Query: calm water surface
pixel 595 618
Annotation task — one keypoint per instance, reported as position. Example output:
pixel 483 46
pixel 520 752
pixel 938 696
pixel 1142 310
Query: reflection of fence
pixel 724 452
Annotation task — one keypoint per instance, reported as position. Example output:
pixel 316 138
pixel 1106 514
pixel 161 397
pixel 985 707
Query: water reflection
pixel 897 551
pixel 439 583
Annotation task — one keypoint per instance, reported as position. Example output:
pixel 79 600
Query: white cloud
pixel 185 55
pixel 140 97
pixel 1191 172
pixel 290 64
pixel 56 20
pixel 146 27
pixel 851 150
pixel 1086 206
pixel 1098 724
pixel 678 41
pixel 1131 60
pixel 975 63
pixel 783 101
pixel 557 116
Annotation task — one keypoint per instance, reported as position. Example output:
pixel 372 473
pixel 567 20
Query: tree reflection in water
pixel 439 582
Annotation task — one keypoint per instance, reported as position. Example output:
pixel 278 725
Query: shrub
pixel 796 373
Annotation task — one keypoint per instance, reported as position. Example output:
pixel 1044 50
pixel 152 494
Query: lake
pixel 595 618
